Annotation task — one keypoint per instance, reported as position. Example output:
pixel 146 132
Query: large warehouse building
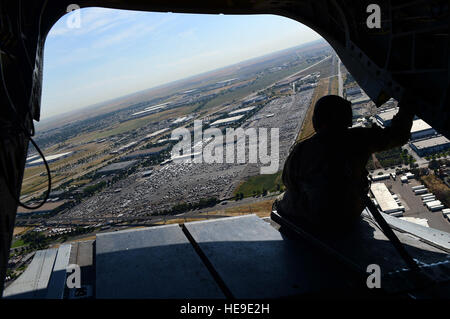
pixel 228 120
pixel 385 117
pixel 146 152
pixel 36 160
pixel 243 110
pixel 384 198
pixel 115 168
pixel 430 146
pixel 421 129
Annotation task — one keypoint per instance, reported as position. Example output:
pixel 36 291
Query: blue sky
pixel 117 52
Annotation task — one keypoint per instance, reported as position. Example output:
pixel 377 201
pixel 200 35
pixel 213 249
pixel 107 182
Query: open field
pixel 257 184
pixel 262 209
pixel 20 230
pixel 334 85
pixel 17 243
pixel 307 129
pixel 84 157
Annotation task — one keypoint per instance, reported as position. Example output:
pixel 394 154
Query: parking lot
pixel 174 183
pixel 414 206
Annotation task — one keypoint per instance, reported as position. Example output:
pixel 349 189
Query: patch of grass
pixel 18 243
pixel 80 182
pixel 257 184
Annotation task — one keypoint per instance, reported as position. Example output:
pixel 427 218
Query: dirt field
pixel 307 129
pixel 437 187
pixel 262 209
pixel 21 230
pixel 334 84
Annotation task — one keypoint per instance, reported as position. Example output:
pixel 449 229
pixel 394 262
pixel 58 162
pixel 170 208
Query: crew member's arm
pixel 398 133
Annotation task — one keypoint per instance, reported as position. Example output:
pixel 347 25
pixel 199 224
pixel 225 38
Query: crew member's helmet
pixel 332 112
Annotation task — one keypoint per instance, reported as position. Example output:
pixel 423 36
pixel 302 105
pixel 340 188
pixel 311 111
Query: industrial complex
pixel 424 139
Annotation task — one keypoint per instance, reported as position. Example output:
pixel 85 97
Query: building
pixel 227 120
pixel 254 99
pixel 353 91
pixel 430 146
pixel 146 152
pixel 243 110
pixel 421 129
pixel 147 173
pixel 362 99
pixel 384 118
pixel 305 87
pixel 385 199
pixel 32 158
pixel 156 133
pixel 376 178
pixel 285 90
pixel 115 168
pixel 56 193
pixel 151 109
pixel 181 120
pixel 49 159
pixel 48 207
pixel 124 148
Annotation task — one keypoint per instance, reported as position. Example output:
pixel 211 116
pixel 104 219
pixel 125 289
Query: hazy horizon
pixel 116 53
pixel 98 104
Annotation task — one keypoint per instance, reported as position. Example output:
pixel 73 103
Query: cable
pixel 49 184
pixel 410 262
pixel 27 134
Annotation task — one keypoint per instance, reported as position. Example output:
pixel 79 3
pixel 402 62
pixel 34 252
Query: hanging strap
pixel 391 236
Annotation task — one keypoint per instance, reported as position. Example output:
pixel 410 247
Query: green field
pixel 257 184
pixel 18 243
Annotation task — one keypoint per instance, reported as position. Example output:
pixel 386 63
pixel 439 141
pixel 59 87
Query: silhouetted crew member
pixel 325 175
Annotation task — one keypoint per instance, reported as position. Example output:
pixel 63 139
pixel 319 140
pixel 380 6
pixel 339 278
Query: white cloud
pixel 133 31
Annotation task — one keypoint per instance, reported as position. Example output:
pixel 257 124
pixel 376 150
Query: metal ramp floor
pixel 242 257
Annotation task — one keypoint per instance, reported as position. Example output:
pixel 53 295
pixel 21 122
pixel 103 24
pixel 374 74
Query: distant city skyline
pixel 116 52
